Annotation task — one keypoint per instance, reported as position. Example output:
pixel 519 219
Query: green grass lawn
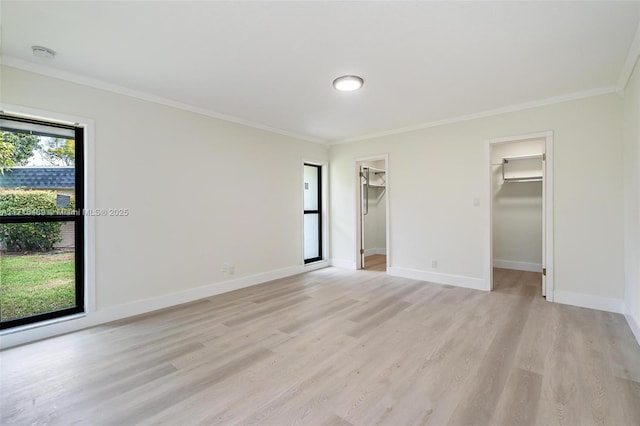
pixel 36 283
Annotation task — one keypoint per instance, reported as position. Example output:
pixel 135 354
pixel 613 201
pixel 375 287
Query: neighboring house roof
pixel 38 177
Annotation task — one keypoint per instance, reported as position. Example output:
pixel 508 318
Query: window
pixel 312 213
pixel 41 220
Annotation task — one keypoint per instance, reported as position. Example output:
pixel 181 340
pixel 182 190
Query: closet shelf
pixel 376 177
pixel 526 168
pixel 376 171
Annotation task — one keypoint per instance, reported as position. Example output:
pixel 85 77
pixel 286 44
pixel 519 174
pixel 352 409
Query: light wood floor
pixel 337 347
pixel 376 262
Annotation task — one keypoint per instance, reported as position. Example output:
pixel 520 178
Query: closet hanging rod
pixel 522 180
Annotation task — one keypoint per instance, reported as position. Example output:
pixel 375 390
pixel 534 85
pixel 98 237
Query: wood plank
pixel 376 262
pixel 519 403
pixel 337 347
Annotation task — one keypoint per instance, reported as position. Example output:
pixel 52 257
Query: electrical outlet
pixel 434 263
pixel 231 269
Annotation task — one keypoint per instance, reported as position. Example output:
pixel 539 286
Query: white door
pixel 544 227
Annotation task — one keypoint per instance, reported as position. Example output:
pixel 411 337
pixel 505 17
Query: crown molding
pixel 49 71
pixel 483 114
pixel 629 64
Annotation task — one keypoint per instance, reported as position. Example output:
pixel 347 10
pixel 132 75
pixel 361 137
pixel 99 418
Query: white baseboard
pixel 633 322
pixel 372 251
pixel 518 266
pixel 26 334
pixel 439 278
pixel 600 303
pixel 344 264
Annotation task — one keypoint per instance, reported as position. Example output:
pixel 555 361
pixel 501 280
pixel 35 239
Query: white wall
pixel 435 173
pixel 201 192
pixel 517 211
pixel 375 241
pixel 632 200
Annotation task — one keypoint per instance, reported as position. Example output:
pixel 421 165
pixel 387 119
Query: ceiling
pixel 271 64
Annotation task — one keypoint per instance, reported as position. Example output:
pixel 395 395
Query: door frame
pixel 358 207
pixel 548 253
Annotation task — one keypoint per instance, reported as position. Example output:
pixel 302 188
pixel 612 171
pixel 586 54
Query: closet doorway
pixel 372 213
pixel 520 209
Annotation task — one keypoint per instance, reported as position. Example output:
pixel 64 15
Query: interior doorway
pixel 372 213
pixel 520 210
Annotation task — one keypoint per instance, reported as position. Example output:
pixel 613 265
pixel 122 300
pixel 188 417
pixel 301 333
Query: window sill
pixel 317 263
pixel 40 324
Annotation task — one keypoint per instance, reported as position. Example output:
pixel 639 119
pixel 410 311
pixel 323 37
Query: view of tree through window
pixel 32 150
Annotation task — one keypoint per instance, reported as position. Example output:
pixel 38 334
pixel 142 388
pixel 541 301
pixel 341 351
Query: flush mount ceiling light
pixel 348 83
pixel 43 52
